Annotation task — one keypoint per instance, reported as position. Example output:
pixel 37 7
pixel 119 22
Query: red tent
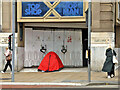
pixel 51 62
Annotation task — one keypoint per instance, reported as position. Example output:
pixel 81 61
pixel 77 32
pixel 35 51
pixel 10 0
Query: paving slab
pixel 67 75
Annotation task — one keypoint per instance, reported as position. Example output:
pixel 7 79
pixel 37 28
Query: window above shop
pixel 39 9
pixel 51 11
pixel 70 8
pixel 34 9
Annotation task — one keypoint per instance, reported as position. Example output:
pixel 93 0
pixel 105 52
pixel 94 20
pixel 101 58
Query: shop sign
pixel 70 8
pixel 33 9
pixel 39 9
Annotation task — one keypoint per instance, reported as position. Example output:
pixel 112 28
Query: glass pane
pixel 33 9
pixel 51 2
pixel 51 15
pixel 70 8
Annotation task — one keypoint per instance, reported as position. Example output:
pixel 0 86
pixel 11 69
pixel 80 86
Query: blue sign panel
pixel 34 9
pixel 51 2
pixel 70 8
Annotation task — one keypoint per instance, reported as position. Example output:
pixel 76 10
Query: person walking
pixel 108 64
pixel 8 56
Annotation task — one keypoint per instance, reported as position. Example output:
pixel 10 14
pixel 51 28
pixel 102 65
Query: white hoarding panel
pixel 54 40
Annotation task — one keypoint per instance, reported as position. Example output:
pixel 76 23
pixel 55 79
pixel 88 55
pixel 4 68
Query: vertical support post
pixel 89 41
pixel 13 38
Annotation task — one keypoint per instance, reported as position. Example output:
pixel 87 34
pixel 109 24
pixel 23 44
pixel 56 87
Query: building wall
pixel 102 32
pixel 118 37
pixel 117 25
pixel 6 17
pixel 100 42
pixel 102 17
pixel 21 42
pixel 3 45
pixel 6 22
pixel 20 58
pixel 0 15
pixel 102 24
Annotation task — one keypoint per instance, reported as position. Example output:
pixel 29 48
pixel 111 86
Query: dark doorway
pixel 85 46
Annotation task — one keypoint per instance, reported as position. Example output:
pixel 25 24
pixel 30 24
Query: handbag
pixel 114 58
pixel 8 58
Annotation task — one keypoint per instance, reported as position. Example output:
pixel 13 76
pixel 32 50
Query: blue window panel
pixel 70 8
pixel 119 9
pixel 34 9
pixel 51 2
pixel 52 15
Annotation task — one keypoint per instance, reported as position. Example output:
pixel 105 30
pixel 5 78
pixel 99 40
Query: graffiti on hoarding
pixel 69 39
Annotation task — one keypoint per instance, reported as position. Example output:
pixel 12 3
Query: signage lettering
pixel 70 8
pixel 39 9
pixel 33 9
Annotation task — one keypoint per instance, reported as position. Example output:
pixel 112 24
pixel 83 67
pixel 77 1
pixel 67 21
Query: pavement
pixel 68 77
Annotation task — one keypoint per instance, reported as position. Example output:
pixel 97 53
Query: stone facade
pixel 102 17
pixel 6 17
pixel 102 32
pixel 118 37
pixel 0 15
pixel 103 21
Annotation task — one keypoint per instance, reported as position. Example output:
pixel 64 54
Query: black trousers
pixel 112 71
pixel 8 64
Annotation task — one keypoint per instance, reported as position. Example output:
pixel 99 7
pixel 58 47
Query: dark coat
pixel 109 60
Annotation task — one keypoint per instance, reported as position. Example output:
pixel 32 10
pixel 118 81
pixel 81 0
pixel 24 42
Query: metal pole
pixel 89 41
pixel 13 38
